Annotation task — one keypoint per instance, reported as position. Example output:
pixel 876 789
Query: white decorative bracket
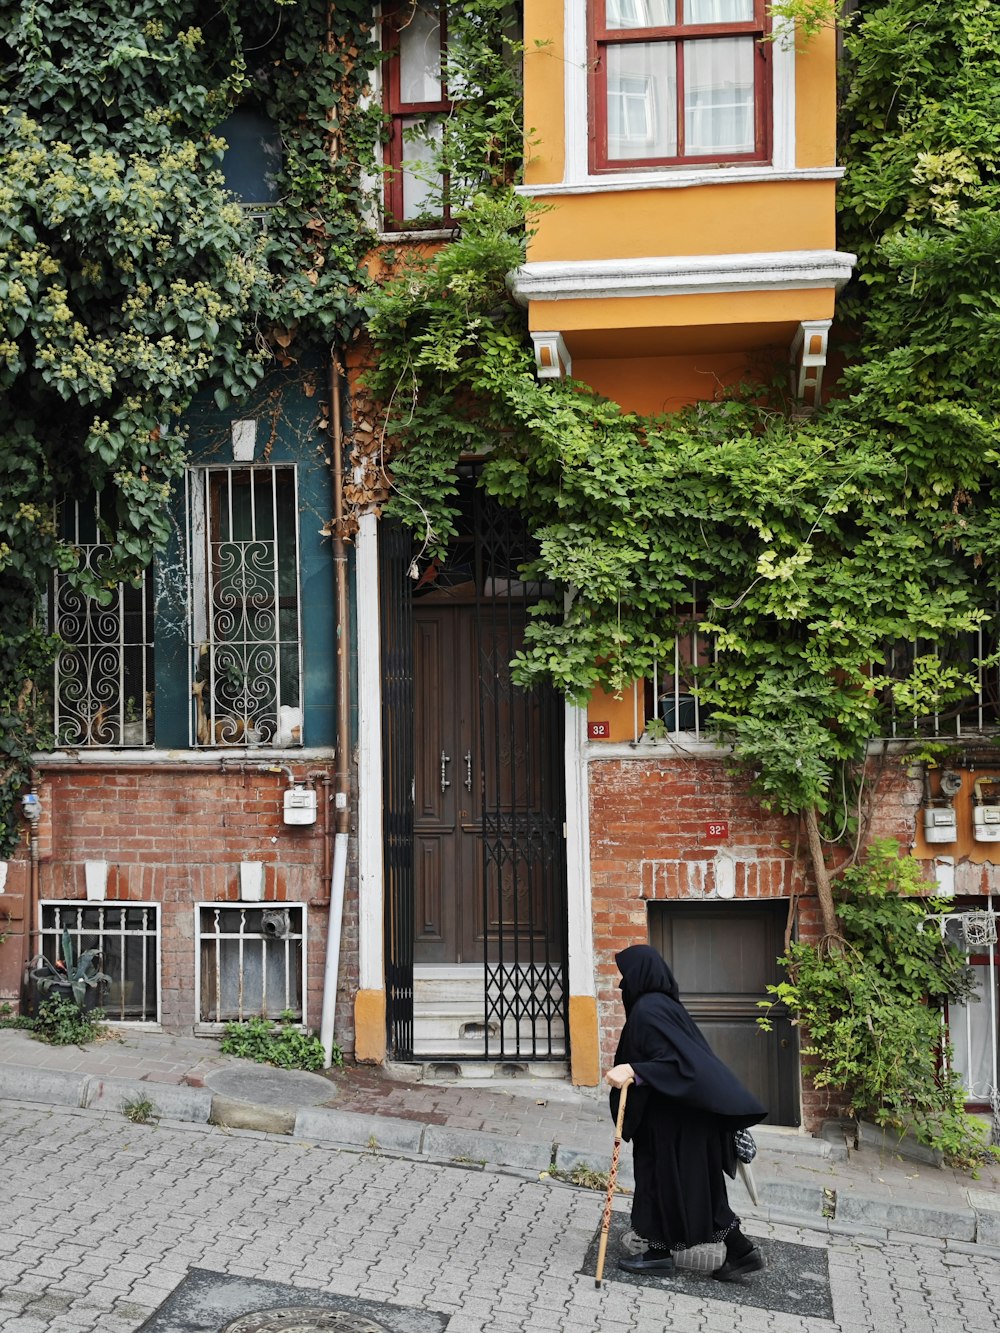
pixel 552 358
pixel 808 358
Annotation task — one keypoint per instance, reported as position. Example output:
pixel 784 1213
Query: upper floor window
pixel 678 82
pixel 417 102
pixel 244 616
pixel 102 691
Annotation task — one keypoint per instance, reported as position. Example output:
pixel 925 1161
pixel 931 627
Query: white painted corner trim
pixel 680 275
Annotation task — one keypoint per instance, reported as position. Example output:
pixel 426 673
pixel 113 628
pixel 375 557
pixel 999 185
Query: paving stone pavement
pixel 104 1219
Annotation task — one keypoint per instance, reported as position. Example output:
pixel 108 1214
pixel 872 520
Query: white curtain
pixel 718 96
pixel 640 13
pixel 642 100
pixel 970 1029
pixel 718 11
pixel 420 58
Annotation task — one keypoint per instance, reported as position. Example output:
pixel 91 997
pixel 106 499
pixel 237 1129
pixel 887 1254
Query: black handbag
pixel 746 1148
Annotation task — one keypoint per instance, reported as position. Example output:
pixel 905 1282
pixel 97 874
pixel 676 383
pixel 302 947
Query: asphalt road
pixel 115 1226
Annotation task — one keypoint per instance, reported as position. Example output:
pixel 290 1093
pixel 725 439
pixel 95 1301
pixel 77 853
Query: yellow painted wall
pixel 621 716
pixel 652 385
pixel 544 96
pixel 369 1027
pixel 816 102
pixel 697 220
pixel 584 1045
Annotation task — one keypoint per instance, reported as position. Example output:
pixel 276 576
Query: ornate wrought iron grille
pixel 244 597
pixel 103 675
pixel 251 962
pixel 395 555
pixel 128 937
pixel 523 805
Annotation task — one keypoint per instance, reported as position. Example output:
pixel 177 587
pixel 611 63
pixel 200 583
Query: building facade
pixel 452 884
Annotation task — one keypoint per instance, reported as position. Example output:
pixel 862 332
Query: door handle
pixel 445 759
pixel 468 770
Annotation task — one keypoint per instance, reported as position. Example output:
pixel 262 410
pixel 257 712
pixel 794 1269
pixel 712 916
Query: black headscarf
pixel 667 1050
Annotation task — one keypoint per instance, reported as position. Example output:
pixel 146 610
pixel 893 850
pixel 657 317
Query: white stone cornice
pixel 680 275
pixel 678 179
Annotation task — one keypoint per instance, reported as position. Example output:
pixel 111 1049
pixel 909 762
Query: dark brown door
pixel 447 787
pixel 724 956
pixel 476 739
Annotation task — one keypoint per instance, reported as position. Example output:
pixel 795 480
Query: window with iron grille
pixel 103 676
pixel 251 962
pixel 127 937
pixel 246 661
pixel 678 81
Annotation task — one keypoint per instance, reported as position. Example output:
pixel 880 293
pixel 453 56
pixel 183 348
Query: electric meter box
pixel 940 824
pixel 300 805
pixel 986 823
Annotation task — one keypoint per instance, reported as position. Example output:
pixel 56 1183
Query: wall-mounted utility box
pixel 986 811
pixel 300 805
pixel 940 824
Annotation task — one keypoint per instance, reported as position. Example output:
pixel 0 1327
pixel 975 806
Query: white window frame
pixel 301 935
pixel 577 177
pixel 47 936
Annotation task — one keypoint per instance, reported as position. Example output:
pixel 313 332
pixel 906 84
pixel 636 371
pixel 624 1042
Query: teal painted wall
pixel 290 408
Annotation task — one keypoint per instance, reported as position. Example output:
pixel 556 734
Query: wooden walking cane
pixel 612 1177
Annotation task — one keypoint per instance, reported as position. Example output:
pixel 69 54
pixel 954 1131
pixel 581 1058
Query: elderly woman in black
pixel 680 1118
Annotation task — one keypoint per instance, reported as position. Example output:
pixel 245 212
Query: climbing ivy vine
pixel 130 279
pixel 808 546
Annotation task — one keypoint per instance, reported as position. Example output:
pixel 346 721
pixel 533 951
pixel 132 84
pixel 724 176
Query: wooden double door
pixel 487 821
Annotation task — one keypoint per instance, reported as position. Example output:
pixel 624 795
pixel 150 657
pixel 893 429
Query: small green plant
pixel 69 975
pixel 140 1110
pixel 870 1008
pixel 281 1044
pixel 61 1022
pixel 8 1019
pixel 587 1177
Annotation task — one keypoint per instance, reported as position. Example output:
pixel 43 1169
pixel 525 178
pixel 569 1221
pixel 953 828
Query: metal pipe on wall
pixel 342 780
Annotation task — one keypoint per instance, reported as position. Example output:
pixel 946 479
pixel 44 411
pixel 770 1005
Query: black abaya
pixel 681 1115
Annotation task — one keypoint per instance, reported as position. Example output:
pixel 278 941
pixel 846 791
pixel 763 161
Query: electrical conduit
pixel 342 782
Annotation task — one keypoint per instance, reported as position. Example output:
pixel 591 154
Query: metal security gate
pixel 473 795
pixel 523 810
pixel 396 630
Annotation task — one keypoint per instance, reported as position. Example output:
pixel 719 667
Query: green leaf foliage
pixel 871 1010
pixel 130 279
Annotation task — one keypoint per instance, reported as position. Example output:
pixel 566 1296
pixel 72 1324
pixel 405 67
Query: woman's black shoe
pixel 732 1269
pixel 652 1261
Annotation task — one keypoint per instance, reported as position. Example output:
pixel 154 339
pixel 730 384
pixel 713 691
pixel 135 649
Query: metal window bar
pixel 673 696
pixel 976 712
pixel 245 972
pixel 128 938
pixel 245 606
pixel 103 674
pixel 956 927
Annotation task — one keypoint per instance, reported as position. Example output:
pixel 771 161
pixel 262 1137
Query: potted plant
pixel 70 977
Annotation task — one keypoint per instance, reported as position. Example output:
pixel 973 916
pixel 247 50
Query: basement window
pixel 251 962
pixel 127 937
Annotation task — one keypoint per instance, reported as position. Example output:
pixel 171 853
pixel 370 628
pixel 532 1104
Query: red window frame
pixel 394 19
pixel 601 37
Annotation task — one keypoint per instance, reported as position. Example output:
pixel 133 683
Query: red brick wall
pixel 176 835
pixel 649 842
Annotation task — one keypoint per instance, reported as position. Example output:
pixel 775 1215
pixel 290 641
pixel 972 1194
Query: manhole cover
pixel 303 1319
